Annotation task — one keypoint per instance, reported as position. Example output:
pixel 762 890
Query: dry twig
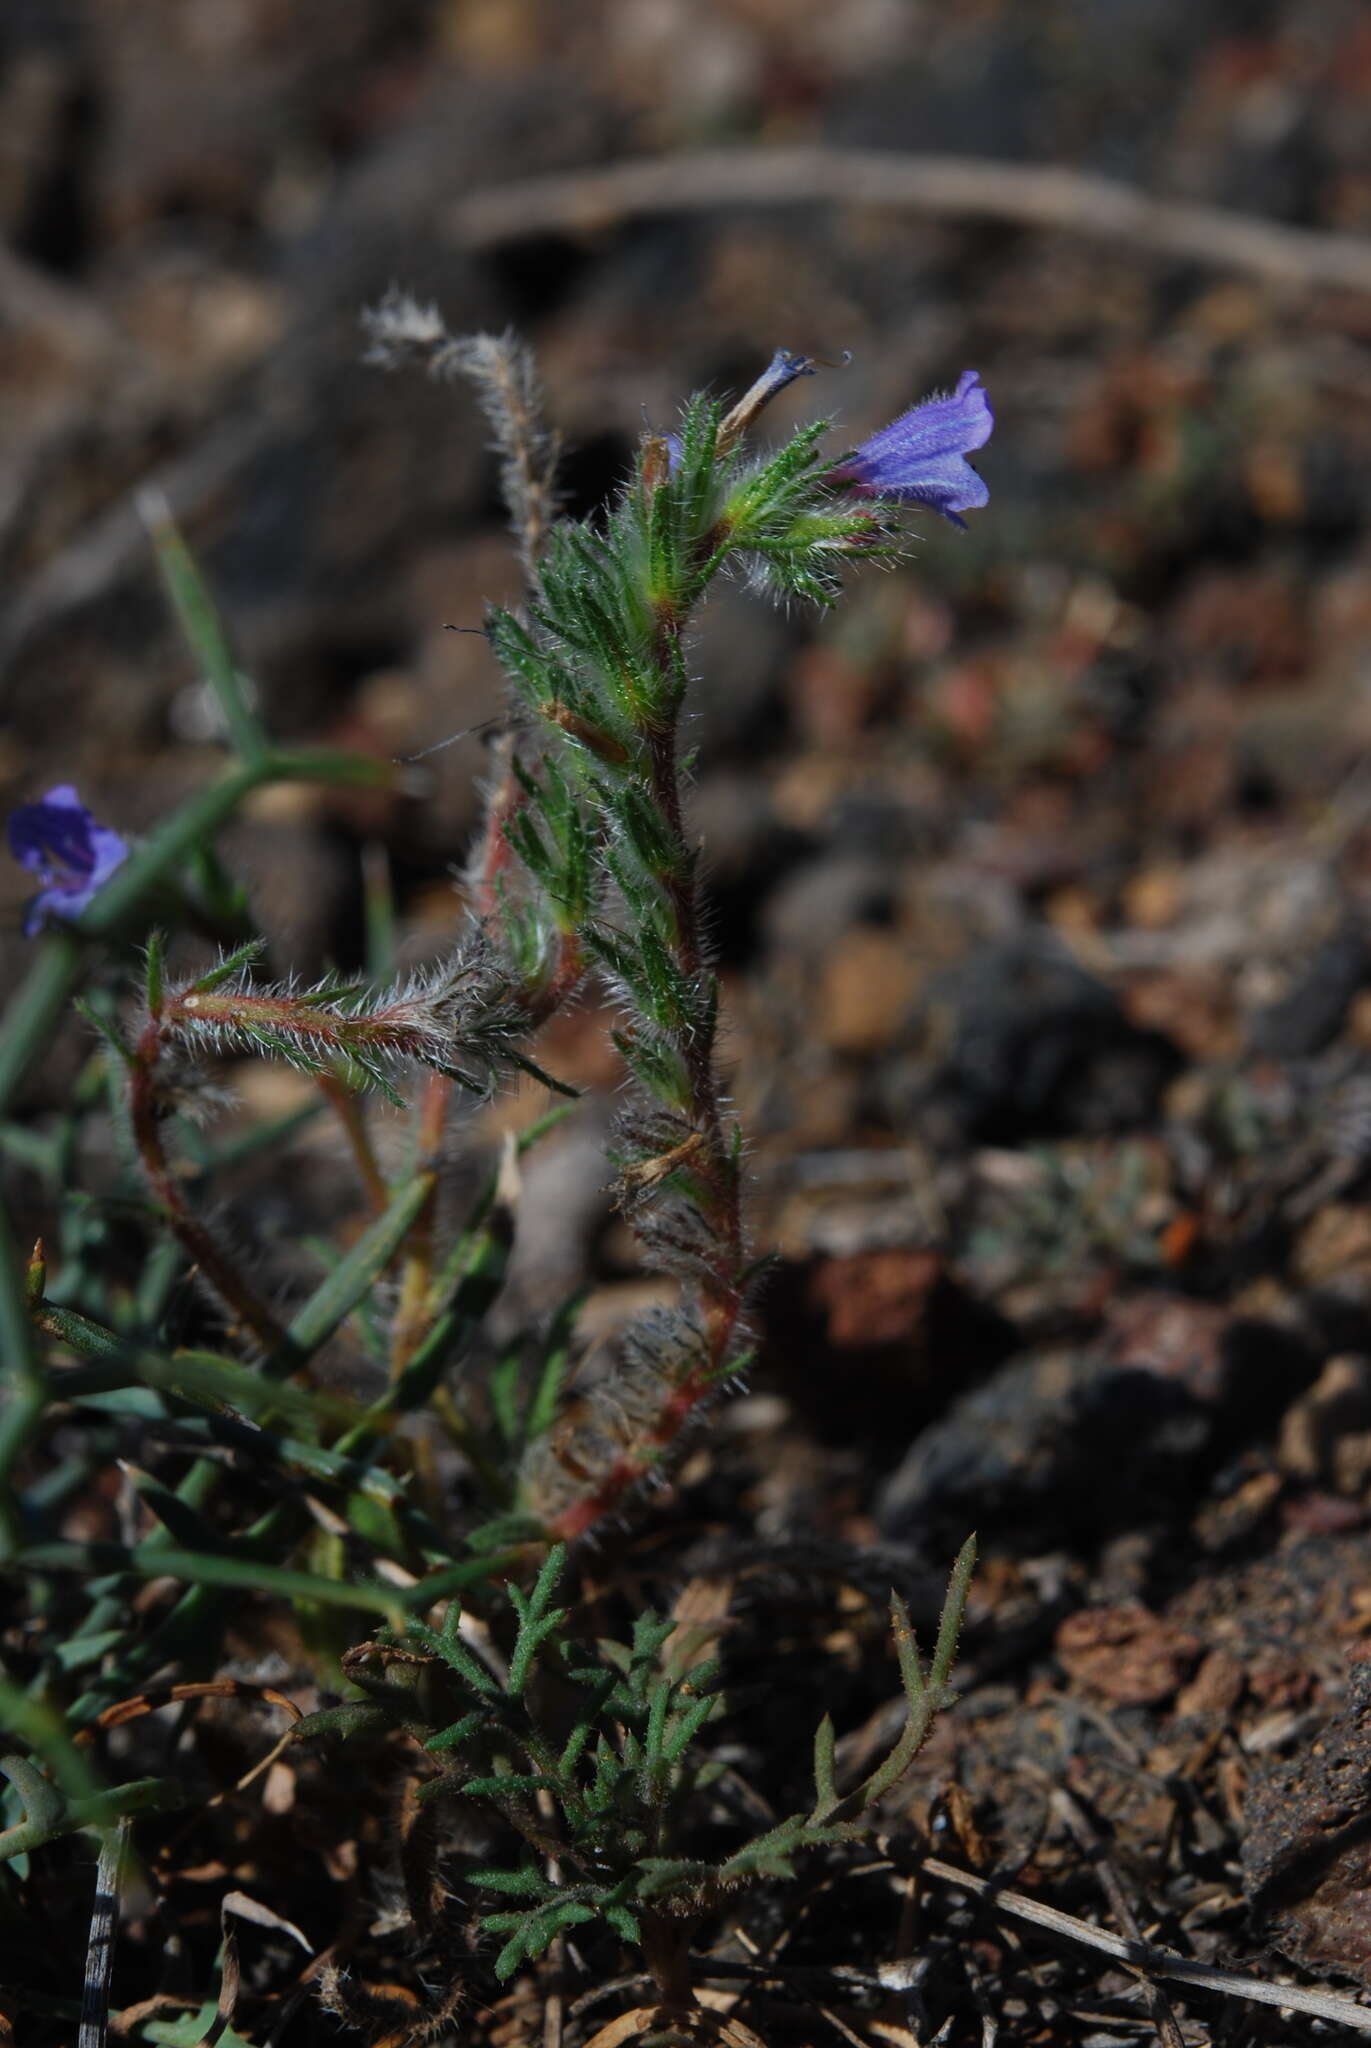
pixel 948 187
pixel 1088 1838
pixel 94 2027
pixel 1154 1962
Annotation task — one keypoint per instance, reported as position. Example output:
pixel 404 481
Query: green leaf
pixel 194 1375
pixel 502 1392
pixel 528 1883
pixel 535 1933
pixel 460 1731
pixel 106 1028
pixel 341 1291
pixel 353 1717
pixel 203 629
pixel 155 945
pixel 687 1726
pixel 825 1789
pixel 177 1516
pixel 545 1401
pixel 455 1654
pixel 502 1788
pixel 536 1620
pixel 953 1614
pixel 670 1874
pixel 622 1922
pixel 247 1574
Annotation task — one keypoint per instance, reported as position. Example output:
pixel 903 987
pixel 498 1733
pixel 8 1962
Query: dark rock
pixel 1310 1015
pixel 1078 1444
pixel 1028 1045
pixel 1031 1445
pixel 1306 1858
pixel 824 898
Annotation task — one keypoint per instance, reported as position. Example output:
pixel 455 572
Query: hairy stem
pixel 720 1284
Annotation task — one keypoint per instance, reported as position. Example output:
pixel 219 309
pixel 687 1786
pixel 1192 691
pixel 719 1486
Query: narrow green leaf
pixel 536 1622
pixel 658 1705
pixel 535 1933
pixel 106 1028
pixel 177 1516
pixel 195 1375
pixel 502 1787
pixel 545 1401
pixel 532 1635
pixel 528 1883
pixel 502 1392
pixel 378 902
pixel 198 1569
pixel 232 963
pixel 155 947
pixel 460 1731
pixel 25 1389
pixel 341 1291
pixel 622 1922
pixel 907 1652
pixel 353 1717
pixel 953 1614
pixel 454 1653
pixel 202 627
pixel 825 1787
pixel 686 1726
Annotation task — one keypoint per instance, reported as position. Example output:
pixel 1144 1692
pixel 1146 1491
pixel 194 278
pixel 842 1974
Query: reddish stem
pixel 720 1287
pixel 146 1112
pixel 414 1311
pixel 349 1110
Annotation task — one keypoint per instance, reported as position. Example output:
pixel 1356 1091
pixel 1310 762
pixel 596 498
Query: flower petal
pixel 920 457
pixel 58 840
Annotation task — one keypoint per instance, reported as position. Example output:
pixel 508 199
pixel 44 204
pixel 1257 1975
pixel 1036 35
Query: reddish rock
pixel 876 1297
pixel 1126 1654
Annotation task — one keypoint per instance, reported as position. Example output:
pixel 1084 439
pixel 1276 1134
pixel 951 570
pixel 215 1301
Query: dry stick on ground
pixel 94 2029
pixel 951 187
pixel 1153 1962
pixel 1091 1842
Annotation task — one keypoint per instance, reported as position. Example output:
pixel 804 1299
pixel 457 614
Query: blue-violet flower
pixel 58 840
pixel 921 457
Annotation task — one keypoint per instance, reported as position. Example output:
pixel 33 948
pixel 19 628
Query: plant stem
pixel 27 1393
pixel 145 1107
pixel 666 1951
pixel 720 1286
pixel 352 1118
pixel 414 1312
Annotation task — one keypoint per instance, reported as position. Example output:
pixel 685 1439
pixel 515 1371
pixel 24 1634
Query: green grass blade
pixel 204 630
pixel 26 1389
pixel 199 1568
pixel 345 1286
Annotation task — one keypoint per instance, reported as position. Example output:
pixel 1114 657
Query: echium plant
pixel 250 1471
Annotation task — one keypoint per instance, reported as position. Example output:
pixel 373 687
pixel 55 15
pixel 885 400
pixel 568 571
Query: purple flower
pixel 58 840
pixel 921 457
